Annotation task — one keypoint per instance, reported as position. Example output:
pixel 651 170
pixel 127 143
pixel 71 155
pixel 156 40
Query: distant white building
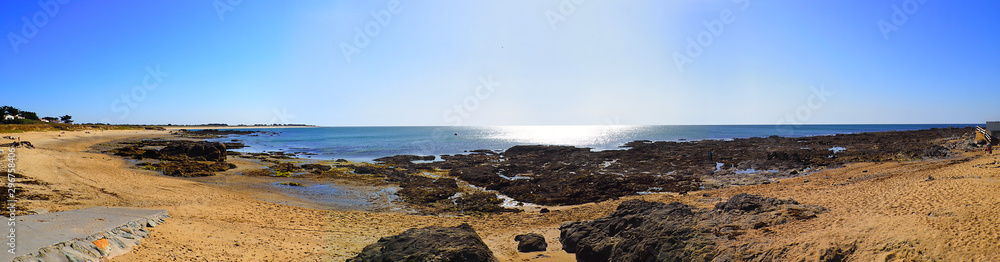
pixel 10 117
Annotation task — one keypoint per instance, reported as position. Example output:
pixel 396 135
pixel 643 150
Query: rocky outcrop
pixel 425 190
pixel 234 145
pixel 560 175
pixel 191 150
pixel 432 244
pixel 186 168
pixel 316 168
pixel 639 231
pixel 178 157
pixel 403 159
pixel 173 150
pixel 216 133
pixel 649 231
pixel 531 242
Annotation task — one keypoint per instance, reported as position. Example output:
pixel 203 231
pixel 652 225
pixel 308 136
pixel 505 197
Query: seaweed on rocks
pixel 187 168
pixel 177 157
pixel 424 190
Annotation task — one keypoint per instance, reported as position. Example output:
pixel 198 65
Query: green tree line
pixel 28 115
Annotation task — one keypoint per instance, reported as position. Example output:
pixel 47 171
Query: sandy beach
pixel 943 209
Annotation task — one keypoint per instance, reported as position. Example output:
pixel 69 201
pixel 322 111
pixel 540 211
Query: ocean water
pixel 367 143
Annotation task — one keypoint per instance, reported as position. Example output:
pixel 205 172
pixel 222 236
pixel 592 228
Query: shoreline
pixel 222 224
pixel 479 138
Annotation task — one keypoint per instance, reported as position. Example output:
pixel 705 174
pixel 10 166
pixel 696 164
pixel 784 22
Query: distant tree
pixel 66 119
pixel 50 119
pixel 29 115
pixel 9 110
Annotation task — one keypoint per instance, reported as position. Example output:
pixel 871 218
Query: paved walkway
pixel 81 234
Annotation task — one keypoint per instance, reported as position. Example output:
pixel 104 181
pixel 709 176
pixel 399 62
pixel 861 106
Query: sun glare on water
pixel 561 135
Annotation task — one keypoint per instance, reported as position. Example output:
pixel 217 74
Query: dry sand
pixel 892 211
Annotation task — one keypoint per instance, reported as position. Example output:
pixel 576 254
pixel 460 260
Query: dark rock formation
pixel 234 145
pixel 437 244
pixel 424 190
pixel 316 167
pixel 215 133
pixel 187 168
pixel 24 144
pixel 649 231
pixel 403 159
pixel 284 167
pixel 530 242
pixel 191 150
pixel 639 231
pixel 481 202
pixel 178 157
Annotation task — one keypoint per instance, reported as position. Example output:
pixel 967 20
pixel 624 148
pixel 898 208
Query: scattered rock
pixel 543 210
pixel 481 202
pixel 24 144
pixel 748 202
pixel 531 242
pixel 234 145
pixel 440 244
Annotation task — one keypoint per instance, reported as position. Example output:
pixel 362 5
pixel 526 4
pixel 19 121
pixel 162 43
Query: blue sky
pixel 511 62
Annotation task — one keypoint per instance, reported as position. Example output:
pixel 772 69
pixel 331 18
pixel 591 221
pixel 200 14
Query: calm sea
pixel 367 143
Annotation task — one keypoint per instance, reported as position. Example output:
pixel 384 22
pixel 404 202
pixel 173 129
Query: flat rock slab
pixel 46 235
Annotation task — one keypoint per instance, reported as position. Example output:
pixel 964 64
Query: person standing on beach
pixel 989 149
pixel 711 155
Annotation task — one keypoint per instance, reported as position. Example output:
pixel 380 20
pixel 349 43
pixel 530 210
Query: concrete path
pixel 81 235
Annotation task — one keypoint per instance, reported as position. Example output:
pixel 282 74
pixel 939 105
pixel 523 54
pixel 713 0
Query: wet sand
pixel 892 210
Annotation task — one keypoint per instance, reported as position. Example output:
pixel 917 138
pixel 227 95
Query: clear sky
pixel 510 62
